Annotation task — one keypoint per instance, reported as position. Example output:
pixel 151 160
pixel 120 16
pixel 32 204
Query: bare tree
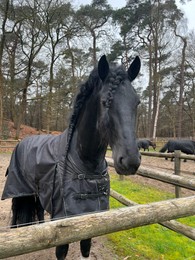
pixel 30 30
pixel 61 28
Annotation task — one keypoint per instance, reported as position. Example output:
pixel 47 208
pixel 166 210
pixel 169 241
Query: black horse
pixel 144 143
pixel 185 146
pixel 67 174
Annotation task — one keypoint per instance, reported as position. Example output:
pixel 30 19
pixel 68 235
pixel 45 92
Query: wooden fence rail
pixel 185 182
pixel 172 224
pixel 168 155
pixel 13 142
pixel 179 181
pixel 9 140
pixel 36 237
pixel 178 156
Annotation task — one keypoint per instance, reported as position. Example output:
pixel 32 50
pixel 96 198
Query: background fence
pixel 8 144
pixel 177 156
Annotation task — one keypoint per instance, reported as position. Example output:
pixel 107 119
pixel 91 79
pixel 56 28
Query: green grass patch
pixel 152 242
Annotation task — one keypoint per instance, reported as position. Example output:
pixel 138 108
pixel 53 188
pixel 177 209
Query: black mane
pixel 115 77
pixel 85 90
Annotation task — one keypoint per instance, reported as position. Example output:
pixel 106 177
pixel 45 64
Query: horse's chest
pixel 82 193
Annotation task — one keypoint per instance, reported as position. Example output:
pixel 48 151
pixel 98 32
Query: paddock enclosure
pixel 102 223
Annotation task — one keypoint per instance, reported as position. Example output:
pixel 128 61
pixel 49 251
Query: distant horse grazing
pixel 66 175
pixel 144 143
pixel 185 146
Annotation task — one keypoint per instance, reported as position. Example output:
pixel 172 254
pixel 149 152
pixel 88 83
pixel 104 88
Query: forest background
pixel 47 47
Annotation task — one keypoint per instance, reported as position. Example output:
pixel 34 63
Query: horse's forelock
pixel 116 76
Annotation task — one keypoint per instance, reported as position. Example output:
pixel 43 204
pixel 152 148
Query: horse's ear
pixel 134 68
pixel 103 68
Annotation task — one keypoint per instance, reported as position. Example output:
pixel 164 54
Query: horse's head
pixel 118 106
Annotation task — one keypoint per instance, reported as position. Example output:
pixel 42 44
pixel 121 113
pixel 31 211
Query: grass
pixel 153 242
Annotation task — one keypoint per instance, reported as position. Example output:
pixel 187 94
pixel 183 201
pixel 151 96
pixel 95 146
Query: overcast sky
pixel 188 8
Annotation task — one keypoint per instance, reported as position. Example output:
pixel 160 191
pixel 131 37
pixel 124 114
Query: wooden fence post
pixel 177 170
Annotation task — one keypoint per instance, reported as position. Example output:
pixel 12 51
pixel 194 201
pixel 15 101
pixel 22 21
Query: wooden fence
pixel 165 177
pixel 178 181
pixel 172 224
pixel 36 237
pixel 177 156
pixel 8 144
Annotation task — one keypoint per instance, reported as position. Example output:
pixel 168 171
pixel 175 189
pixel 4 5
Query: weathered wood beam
pixel 185 182
pixel 157 154
pixel 168 155
pixel 36 237
pixel 172 224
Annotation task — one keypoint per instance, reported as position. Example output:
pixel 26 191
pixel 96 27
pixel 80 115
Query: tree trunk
pixel 156 118
pixel 149 126
pixel 181 85
pixel 2 44
pixel 49 105
pixel 22 111
pixel 94 48
pixel 156 90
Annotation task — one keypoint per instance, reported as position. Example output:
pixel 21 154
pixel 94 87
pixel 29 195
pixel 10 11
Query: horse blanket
pixel 38 167
pixel 186 146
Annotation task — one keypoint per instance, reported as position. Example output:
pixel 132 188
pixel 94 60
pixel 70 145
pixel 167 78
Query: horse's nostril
pixel 126 163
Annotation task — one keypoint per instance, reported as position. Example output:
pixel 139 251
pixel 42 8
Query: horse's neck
pixel 90 143
pixel 86 163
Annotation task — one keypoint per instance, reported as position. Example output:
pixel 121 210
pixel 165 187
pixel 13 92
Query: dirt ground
pixel 101 249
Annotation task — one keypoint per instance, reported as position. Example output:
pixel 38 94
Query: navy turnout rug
pixel 65 188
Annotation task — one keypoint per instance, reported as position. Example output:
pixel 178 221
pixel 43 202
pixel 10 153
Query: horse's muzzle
pixel 127 165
